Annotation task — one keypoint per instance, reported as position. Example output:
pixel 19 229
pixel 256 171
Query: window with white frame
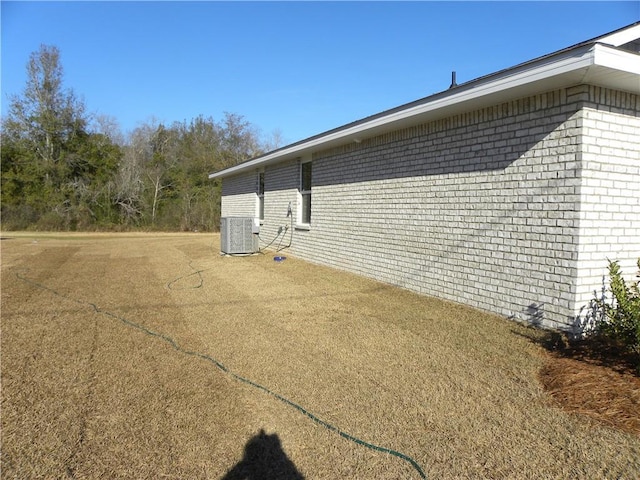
pixel 261 196
pixel 304 216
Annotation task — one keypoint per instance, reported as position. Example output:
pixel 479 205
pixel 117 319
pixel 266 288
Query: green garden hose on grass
pixel 224 369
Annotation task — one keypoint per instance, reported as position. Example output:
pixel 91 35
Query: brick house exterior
pixel 507 193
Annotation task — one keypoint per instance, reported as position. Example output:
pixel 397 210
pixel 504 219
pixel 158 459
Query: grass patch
pixel 86 395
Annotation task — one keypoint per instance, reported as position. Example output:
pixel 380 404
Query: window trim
pixel 260 195
pixel 300 223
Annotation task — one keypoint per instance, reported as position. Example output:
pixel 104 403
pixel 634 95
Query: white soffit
pixel 595 64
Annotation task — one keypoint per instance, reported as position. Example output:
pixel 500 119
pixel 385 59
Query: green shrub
pixel 620 319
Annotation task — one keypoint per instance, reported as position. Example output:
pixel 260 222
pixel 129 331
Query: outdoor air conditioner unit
pixel 239 235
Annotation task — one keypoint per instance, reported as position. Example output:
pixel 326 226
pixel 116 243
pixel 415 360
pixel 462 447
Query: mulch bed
pixel 597 380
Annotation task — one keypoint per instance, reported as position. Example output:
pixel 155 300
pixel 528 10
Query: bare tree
pixel 108 126
pixel 145 174
pixel 164 157
pixel 128 187
pixel 274 141
pixel 239 140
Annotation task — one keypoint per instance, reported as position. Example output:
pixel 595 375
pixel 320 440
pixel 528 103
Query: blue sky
pixel 301 68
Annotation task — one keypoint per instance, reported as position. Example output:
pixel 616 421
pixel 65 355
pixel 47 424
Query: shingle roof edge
pixel 296 146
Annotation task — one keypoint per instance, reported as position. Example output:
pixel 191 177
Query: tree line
pixel 63 169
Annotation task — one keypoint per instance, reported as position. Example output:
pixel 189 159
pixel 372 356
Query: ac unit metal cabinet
pixel 237 235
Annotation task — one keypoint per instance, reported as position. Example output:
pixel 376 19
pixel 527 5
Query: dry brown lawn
pixel 151 356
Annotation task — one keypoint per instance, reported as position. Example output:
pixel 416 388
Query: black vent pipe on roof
pixel 453 80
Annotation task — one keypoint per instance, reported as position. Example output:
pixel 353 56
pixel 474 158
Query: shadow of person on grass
pixel 264 459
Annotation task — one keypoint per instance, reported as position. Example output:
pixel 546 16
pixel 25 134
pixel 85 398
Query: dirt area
pixel 151 356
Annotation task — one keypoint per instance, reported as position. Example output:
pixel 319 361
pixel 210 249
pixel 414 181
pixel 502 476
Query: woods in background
pixel 63 169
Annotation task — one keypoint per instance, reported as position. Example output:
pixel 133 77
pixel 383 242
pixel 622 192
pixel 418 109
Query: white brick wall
pixel 240 196
pixel 482 208
pixel 240 199
pixel 609 225
pixel 281 187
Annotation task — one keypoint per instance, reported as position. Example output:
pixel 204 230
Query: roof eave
pixel 592 63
